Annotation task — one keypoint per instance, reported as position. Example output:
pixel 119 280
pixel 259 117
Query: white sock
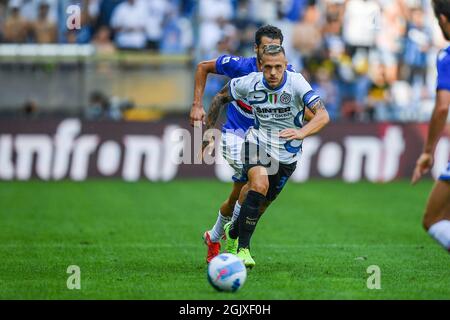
pixel 237 209
pixel 441 232
pixel 217 231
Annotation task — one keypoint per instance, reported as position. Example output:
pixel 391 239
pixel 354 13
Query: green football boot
pixel 231 245
pixel 244 255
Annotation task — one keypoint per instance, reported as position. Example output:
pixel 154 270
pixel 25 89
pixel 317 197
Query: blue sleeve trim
pixel 444 87
pixel 308 96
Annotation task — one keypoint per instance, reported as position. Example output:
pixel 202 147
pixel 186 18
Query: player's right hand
pixel 423 165
pixel 197 115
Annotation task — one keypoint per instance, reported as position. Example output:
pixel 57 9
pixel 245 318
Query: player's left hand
pixel 292 134
pixel 423 165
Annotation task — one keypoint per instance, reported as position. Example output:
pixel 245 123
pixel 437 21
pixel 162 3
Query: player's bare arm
pixel 318 121
pixel 219 101
pixel 201 74
pixel 435 129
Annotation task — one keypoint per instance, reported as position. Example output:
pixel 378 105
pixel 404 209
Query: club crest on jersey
pixel 273 98
pixel 285 98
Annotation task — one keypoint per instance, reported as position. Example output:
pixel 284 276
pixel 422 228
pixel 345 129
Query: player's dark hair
pixel 442 7
pixel 268 31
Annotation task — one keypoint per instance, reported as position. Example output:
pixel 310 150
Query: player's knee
pixel 260 187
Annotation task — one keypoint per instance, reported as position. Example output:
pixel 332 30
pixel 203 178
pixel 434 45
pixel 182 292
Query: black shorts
pixel 251 157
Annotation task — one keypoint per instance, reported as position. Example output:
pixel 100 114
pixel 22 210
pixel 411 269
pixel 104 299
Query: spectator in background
pixel 106 10
pixel 417 44
pixel 177 35
pixel 16 27
pixel 93 7
pixel 263 11
pixel 391 29
pixel 331 30
pixel 102 41
pixel 246 24
pixel 215 17
pixel 29 9
pixel 287 27
pixel 359 29
pixel 377 106
pixel 129 23
pixel 295 9
pixel 307 35
pixel 325 87
pixel 43 29
pixel 157 11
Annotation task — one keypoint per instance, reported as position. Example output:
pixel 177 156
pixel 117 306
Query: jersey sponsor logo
pixel 273 98
pixel 273 110
pixel 257 97
pixel 285 98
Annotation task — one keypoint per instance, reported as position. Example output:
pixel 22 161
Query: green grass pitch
pixel 143 241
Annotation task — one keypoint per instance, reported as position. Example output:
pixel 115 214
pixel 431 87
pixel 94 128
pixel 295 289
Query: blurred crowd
pixel 370 60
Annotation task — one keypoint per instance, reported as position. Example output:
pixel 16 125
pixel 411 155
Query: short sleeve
pixel 229 65
pixel 443 70
pixel 304 91
pixel 240 87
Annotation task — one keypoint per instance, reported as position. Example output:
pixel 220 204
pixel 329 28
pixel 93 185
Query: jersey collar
pixel 277 88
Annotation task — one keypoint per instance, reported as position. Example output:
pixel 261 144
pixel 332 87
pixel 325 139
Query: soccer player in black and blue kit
pixel 239 119
pixel 436 220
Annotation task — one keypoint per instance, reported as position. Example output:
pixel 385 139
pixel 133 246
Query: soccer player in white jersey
pixel 273 145
pixel 239 118
pixel 437 213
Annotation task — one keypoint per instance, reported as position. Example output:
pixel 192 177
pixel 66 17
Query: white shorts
pixel 231 145
pixel 445 175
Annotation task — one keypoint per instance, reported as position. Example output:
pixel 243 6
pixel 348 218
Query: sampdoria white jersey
pixel 274 110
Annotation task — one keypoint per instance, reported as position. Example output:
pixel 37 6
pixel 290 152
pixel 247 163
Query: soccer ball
pixel 226 272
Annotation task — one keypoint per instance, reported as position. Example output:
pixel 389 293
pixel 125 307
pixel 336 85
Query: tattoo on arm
pixel 219 100
pixel 317 106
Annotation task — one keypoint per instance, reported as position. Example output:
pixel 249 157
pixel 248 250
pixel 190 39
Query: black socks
pixel 248 218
